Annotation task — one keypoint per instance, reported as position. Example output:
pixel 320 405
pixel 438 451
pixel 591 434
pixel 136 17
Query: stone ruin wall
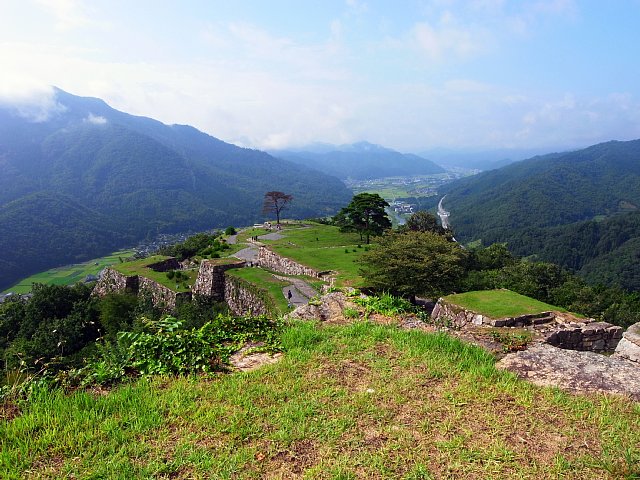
pixel 587 335
pixel 161 296
pixel 165 265
pixel 271 260
pixel 112 281
pixel 243 300
pixel 211 279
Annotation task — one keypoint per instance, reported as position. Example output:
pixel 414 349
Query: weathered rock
pixel 112 281
pixel 629 346
pixel 574 371
pixel 272 261
pixel 246 359
pixel 328 310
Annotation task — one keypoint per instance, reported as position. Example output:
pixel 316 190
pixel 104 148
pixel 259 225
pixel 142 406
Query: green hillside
pixel 92 179
pixel 553 206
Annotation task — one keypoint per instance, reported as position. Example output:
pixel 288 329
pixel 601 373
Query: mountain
pixel 86 178
pixel 360 161
pixel 479 159
pixel 574 208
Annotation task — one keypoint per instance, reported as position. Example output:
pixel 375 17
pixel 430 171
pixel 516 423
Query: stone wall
pixel 445 313
pixel 211 278
pixel 244 298
pixel 165 265
pixel 584 335
pixel 271 260
pixel 112 281
pixel 162 297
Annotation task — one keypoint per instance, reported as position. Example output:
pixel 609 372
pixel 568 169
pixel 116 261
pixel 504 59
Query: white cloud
pixel 95 119
pixel 33 102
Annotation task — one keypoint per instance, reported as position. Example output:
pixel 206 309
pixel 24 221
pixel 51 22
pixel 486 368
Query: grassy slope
pixel 69 274
pixel 357 401
pixel 500 303
pixel 323 247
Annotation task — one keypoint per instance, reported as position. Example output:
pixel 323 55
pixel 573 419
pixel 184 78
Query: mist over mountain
pixel 574 208
pixel 80 178
pixel 359 161
pixel 480 159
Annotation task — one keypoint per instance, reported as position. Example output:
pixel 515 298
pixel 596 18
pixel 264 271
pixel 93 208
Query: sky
pixel 410 75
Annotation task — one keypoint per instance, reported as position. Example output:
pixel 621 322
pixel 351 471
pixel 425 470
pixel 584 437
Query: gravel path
pixel 249 254
pixel 232 239
pixel 297 299
pixel 271 236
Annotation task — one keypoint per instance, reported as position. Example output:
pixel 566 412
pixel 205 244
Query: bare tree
pixel 275 202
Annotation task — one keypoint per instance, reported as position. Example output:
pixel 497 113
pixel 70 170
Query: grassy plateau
pixel 499 303
pixel 358 401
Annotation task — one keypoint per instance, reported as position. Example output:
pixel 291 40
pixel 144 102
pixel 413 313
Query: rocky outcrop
pixel 244 298
pixel 328 309
pixel 112 281
pixel 574 371
pixel 211 278
pixel 629 346
pixel 272 261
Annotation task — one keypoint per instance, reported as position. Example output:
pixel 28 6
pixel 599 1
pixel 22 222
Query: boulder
pixel 574 371
pixel 629 346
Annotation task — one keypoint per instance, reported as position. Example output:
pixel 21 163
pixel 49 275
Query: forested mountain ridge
pixel 570 208
pixel 362 161
pixel 87 178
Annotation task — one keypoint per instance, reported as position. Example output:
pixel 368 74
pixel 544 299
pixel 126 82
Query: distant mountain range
pixel 86 178
pixel 579 209
pixel 360 161
pixel 479 159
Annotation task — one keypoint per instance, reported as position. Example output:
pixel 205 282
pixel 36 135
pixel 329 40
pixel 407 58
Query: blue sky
pixel 411 75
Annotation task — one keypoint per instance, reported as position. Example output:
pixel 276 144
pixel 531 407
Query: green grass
pixel 139 267
pixel 500 303
pixel 323 247
pixel 70 274
pixel 265 281
pixel 357 401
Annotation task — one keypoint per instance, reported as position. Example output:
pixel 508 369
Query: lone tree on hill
pixel 365 215
pixel 275 202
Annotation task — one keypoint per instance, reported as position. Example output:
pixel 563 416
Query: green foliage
pixel 364 215
pixel 414 263
pixel 512 342
pixel 422 221
pixel 54 326
pixel 230 231
pixel 167 348
pixel 575 209
pixel 385 304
